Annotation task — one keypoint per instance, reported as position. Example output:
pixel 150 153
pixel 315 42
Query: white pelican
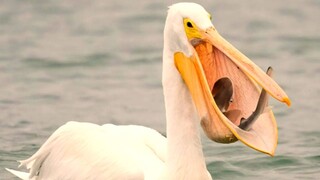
pixel 205 81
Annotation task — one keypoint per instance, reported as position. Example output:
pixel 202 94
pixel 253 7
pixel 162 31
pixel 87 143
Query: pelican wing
pixel 100 152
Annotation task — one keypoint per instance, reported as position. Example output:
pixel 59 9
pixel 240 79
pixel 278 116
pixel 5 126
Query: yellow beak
pixel 224 85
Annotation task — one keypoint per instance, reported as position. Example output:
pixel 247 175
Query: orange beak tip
pixel 287 101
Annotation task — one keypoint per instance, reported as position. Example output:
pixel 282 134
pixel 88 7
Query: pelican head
pixel 225 85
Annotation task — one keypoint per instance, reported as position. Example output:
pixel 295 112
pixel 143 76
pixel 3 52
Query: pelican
pixel 206 82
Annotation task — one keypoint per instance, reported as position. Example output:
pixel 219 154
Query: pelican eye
pixel 191 29
pixel 189 24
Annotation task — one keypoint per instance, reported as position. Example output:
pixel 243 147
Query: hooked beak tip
pixel 287 101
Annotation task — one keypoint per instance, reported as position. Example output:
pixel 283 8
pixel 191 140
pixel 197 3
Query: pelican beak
pixel 230 93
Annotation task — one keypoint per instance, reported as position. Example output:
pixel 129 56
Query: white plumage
pixel 88 151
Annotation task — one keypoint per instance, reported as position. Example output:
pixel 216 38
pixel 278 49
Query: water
pixel 100 61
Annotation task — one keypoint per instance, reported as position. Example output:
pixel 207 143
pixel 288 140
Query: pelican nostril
pixel 210 29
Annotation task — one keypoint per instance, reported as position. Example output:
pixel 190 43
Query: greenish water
pixel 100 61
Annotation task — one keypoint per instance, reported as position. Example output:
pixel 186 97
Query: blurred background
pixel 100 61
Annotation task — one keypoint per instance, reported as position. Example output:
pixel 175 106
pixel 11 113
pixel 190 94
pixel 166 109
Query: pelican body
pixel 207 83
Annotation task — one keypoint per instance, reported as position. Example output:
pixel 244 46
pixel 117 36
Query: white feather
pixel 88 151
pixel 19 174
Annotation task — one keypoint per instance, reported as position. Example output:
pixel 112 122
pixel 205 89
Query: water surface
pixel 100 61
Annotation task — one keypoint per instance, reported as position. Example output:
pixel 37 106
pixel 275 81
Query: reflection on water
pixel 100 61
